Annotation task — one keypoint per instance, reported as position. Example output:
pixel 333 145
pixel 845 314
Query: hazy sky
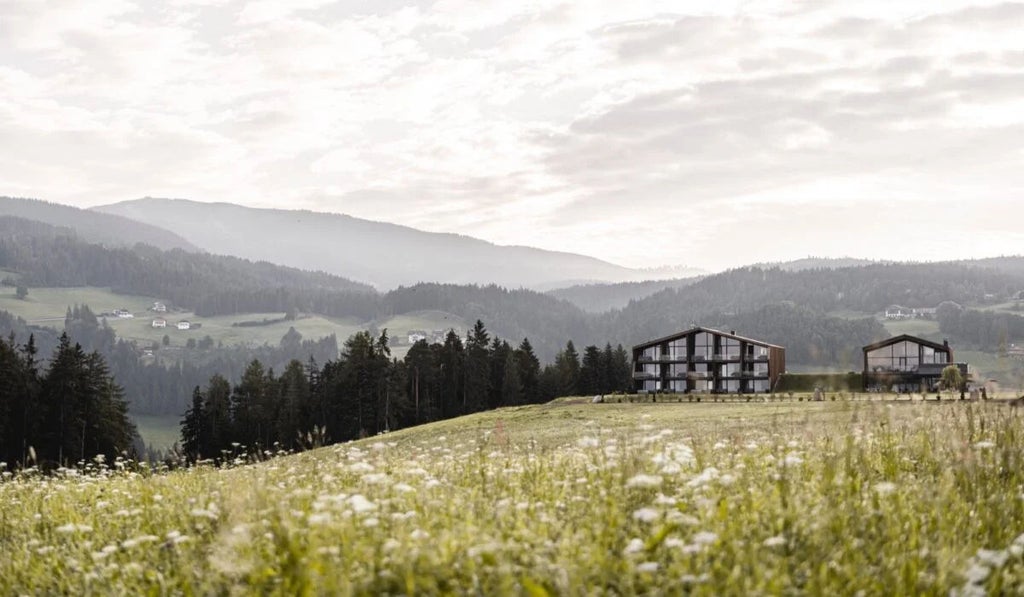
pixel 646 133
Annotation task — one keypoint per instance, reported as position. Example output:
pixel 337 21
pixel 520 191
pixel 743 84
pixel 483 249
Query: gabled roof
pixel 698 329
pixel 902 337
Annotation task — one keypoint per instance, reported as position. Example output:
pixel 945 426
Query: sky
pixel 647 133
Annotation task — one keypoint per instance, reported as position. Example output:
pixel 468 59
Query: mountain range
pixel 378 253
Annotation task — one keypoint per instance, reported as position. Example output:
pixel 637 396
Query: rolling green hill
pixel 557 499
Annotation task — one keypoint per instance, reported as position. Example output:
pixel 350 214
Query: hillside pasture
pixel 563 498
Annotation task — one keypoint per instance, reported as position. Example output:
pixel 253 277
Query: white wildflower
pixel 993 558
pixel 588 442
pixel 776 541
pixel 646 515
pixel 793 459
pixel 884 488
pixel 705 538
pixel 645 481
pixel 360 504
pixel 647 567
pixel 985 445
pixel 634 546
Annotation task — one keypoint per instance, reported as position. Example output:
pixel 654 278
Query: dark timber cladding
pixel 707 361
pixel 907 364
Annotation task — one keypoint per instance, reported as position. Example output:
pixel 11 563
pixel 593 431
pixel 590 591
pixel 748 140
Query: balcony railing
pixel 645 359
pixel 644 375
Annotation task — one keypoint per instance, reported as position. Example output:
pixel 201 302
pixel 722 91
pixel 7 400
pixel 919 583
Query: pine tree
pixel 529 371
pixel 192 428
pixel 477 369
pixel 512 384
pixel 591 372
pixel 567 364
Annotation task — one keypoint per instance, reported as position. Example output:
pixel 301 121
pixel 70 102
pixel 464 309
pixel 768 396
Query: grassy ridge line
pixel 560 499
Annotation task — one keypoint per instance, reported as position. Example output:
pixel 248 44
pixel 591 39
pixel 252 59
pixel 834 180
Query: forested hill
pixel 96 227
pixel 383 254
pixel 48 256
pixel 598 298
pixel 793 308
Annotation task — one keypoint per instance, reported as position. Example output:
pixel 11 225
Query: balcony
pixel 645 359
pixel 643 375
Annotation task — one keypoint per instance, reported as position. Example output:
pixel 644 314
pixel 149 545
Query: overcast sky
pixel 646 133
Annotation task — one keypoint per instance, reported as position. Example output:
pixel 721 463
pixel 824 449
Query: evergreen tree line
pixel 986 330
pixel 161 385
pixel 365 391
pixel 71 411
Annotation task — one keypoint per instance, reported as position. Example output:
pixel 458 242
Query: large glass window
pixel 729 385
pixel 677 370
pixel 678 385
pixel 653 353
pixel 677 349
pixel 703 345
pixel 761 385
pixel 760 369
pixel 730 370
pixel 730 348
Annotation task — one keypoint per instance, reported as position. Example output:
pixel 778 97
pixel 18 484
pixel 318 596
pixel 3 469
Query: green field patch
pixel 158 432
pixel 923 328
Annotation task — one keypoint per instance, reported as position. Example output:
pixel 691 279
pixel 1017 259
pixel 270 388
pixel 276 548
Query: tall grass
pixel 631 499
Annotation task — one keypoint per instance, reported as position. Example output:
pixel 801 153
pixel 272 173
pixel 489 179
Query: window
pixel 704 345
pixel 677 349
pixel 730 348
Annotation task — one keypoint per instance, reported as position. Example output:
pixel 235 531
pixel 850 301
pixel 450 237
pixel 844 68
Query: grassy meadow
pixel 567 498
pixel 47 306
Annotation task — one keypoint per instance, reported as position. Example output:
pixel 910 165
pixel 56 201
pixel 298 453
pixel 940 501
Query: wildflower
pixel 985 445
pixel 776 541
pixel 993 558
pixel 793 459
pixel 706 476
pixel 634 546
pixel 884 488
pixel 70 528
pixel 588 442
pixel 644 481
pixel 360 504
pixel 705 538
pixel 646 515
pixel 647 567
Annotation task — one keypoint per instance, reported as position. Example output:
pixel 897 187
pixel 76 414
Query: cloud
pixel 548 123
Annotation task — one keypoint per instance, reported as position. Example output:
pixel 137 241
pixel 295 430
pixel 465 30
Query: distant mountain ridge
pixel 382 254
pixel 92 226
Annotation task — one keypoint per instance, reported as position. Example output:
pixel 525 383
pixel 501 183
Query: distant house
pixel 707 360
pixel 907 364
pixel 158 308
pixel 123 314
pixel 896 312
pixel 183 325
pixel 416 335
pixel 159 323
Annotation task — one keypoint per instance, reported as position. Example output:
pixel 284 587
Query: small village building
pixel 705 360
pixel 907 363
pixel 159 323
pixel 159 308
pixel 183 325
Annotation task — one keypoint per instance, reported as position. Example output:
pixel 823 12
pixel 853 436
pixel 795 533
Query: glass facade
pixel 705 361
pixel 905 356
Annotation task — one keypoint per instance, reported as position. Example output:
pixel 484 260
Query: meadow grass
pixel 565 498
pixel 47 306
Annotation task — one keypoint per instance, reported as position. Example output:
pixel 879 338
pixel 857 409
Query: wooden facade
pixel 705 360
